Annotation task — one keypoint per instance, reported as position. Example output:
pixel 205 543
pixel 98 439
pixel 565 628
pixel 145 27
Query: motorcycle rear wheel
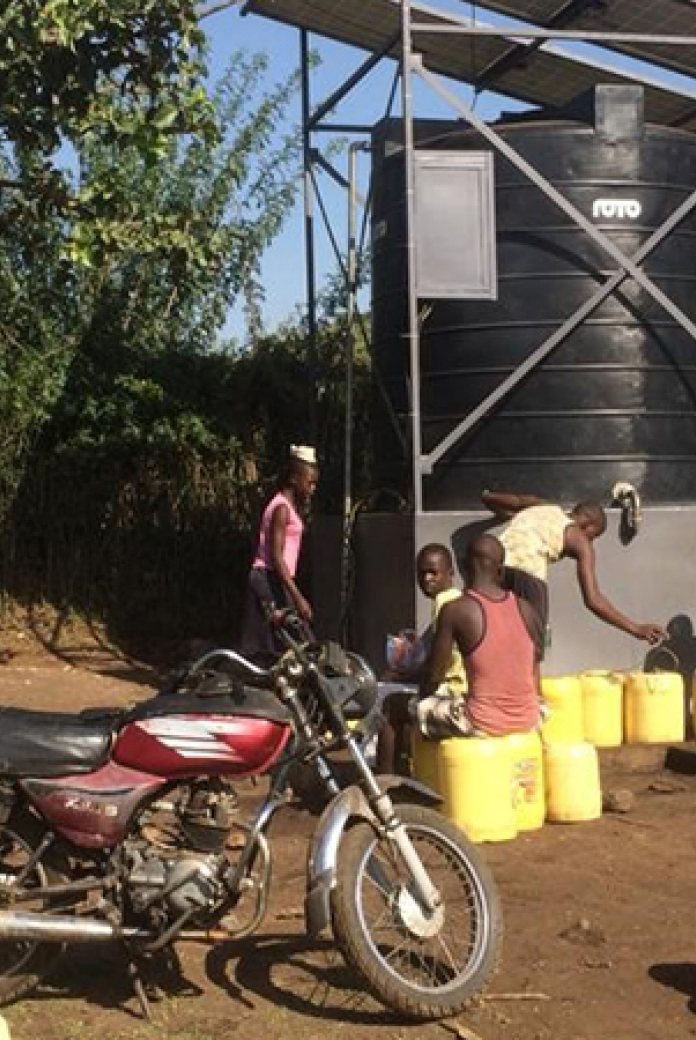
pixel 423 967
pixel 23 964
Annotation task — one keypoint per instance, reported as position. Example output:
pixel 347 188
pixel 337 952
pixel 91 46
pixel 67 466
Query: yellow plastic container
pixel 563 696
pixel 424 760
pixel 602 708
pixel 653 707
pixel 475 777
pixel 573 791
pixel 527 780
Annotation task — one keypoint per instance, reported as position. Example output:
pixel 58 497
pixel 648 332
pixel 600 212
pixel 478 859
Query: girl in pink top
pixel 272 584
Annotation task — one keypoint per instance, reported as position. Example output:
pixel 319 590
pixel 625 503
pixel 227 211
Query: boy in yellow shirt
pixel 435 577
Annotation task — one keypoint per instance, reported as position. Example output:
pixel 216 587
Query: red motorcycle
pixel 125 826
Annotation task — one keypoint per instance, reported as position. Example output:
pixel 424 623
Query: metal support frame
pixel 314 161
pixel 323 119
pixel 336 175
pixel 576 35
pixel 628 266
pixel 310 261
pixel 357 77
pixel 550 344
pixel 412 334
pixel 520 52
pixel 351 308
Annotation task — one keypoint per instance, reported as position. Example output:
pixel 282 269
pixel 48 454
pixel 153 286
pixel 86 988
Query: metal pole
pixel 352 81
pixel 412 319
pixel 508 32
pixel 310 264
pixel 350 352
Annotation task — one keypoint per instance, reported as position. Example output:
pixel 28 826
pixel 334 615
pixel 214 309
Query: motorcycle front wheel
pixel 423 965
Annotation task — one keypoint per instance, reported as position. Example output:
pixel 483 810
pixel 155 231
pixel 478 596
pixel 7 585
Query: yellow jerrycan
pixel 654 707
pixel 562 695
pixel 527 779
pixel 424 756
pixel 475 777
pixel 573 791
pixel 602 708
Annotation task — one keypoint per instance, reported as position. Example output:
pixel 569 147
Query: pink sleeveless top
pixel 500 670
pixel 293 536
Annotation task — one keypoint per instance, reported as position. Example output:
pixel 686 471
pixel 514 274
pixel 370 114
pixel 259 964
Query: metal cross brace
pixel 628 266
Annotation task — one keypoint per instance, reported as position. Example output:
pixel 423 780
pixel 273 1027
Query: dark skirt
pixel 265 591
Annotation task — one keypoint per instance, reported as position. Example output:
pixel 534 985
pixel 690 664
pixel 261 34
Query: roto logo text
pixel 621 209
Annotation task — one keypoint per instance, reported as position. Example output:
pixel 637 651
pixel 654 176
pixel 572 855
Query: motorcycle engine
pixel 176 862
pixel 187 883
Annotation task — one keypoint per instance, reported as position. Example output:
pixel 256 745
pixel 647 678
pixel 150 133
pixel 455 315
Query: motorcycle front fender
pixel 350 804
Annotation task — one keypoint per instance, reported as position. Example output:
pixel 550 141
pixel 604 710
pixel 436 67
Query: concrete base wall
pixel 652 579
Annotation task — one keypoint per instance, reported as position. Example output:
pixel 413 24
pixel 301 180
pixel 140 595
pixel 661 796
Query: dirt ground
pixel 600 941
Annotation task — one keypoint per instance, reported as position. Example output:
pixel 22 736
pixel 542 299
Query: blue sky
pixel 283 267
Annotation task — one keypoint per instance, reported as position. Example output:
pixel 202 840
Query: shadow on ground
pixel 296 973
pixel 679 976
pixel 100 977
pixel 300 975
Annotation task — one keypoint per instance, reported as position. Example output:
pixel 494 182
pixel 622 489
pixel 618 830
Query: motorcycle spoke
pixel 407 957
pixel 446 950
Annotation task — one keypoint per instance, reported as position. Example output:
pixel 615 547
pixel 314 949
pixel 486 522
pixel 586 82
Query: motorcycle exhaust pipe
pixel 56 929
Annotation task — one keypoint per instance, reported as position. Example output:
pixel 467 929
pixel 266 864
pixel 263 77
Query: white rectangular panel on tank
pixel 454 231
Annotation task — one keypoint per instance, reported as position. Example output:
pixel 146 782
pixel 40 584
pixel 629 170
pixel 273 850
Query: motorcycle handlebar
pixel 235 658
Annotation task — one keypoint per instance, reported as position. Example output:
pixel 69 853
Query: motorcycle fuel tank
pixel 190 745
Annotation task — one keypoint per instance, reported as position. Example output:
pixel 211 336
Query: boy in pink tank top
pixel 497 635
pixel 272 584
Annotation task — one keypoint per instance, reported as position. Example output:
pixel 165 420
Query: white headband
pixel 304 453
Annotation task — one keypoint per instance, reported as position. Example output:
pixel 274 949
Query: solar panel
pixel 657 17
pixel 546 75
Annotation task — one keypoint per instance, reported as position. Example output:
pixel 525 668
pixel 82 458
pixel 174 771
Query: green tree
pixel 145 422
pixel 135 381
pixel 77 76
pixel 122 71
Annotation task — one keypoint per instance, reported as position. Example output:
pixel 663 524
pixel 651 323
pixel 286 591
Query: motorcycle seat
pixel 50 744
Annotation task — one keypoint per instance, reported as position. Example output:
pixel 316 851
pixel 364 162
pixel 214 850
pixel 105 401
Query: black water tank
pixel 617 399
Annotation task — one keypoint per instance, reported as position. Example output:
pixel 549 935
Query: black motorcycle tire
pixel 361 951
pixel 40 957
